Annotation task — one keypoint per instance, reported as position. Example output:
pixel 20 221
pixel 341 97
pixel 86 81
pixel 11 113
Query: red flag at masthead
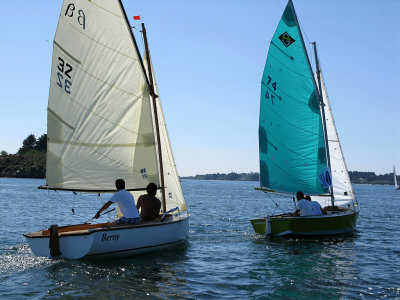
pixel 136 17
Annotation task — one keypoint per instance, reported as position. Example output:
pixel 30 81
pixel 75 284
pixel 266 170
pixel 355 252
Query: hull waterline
pixel 101 241
pixel 327 224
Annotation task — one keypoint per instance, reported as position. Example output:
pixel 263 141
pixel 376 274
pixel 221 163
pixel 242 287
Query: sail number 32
pixel 64 76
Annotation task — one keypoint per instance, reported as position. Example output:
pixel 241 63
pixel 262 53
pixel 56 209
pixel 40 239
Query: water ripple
pixel 223 258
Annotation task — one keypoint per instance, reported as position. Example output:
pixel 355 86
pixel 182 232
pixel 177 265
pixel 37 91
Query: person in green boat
pixel 316 207
pixel 303 207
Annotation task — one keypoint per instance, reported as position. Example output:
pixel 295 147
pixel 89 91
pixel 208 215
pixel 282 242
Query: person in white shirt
pixel 303 207
pixel 316 207
pixel 126 204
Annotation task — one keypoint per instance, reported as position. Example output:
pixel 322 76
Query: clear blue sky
pixel 209 57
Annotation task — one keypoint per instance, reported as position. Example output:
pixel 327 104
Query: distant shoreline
pixel 32 164
pixel 187 178
pixel 356 177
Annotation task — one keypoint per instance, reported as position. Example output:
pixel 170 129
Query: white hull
pixel 114 241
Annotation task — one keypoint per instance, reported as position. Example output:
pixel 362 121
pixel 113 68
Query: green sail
pixel 291 139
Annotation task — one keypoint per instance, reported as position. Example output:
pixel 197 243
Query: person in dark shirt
pixel 149 204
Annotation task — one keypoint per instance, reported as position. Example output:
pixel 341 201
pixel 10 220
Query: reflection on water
pixel 223 258
pixel 312 267
pixel 144 275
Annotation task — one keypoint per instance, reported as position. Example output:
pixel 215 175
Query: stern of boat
pixel 261 226
pixel 71 247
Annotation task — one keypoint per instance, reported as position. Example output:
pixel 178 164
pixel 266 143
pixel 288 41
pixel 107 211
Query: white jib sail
pixel 342 187
pixel 396 185
pixel 99 115
pixel 173 191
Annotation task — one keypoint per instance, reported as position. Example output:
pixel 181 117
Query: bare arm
pixel 104 207
pixel 139 203
pixel 296 212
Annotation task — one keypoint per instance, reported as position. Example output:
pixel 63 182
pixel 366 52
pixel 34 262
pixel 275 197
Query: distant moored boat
pixel 396 185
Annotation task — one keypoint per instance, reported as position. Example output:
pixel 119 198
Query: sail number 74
pixel 273 85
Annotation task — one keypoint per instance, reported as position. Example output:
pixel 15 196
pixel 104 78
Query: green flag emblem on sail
pixel 286 39
pixel 291 140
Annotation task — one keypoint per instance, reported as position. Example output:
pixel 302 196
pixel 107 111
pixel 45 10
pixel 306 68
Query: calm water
pixel 223 258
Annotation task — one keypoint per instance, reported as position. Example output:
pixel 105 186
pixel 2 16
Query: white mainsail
pixel 342 187
pixel 99 113
pixel 396 185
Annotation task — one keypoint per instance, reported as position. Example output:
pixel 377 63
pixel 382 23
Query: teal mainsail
pixel 291 138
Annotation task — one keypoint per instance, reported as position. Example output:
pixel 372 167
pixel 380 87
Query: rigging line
pixel 276 204
pixel 141 43
pixel 72 209
pixel 303 30
pixel 134 27
pixel 70 216
pixel 310 52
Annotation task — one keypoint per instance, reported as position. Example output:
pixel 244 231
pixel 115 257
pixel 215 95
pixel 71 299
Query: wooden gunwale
pixel 86 229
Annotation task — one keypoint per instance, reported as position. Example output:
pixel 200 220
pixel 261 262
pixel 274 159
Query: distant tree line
pixel 28 162
pixel 372 178
pixel 230 176
pixel 33 144
pixel 355 177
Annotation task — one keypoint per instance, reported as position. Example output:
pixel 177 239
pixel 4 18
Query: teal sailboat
pixel 298 143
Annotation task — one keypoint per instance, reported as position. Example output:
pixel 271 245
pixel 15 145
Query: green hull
pixel 334 223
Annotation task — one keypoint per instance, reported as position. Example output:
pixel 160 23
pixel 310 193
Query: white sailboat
pixel 105 122
pixel 396 185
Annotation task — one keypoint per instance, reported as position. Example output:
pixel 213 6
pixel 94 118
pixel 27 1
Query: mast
pixel 321 102
pixel 153 97
pixel 134 42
